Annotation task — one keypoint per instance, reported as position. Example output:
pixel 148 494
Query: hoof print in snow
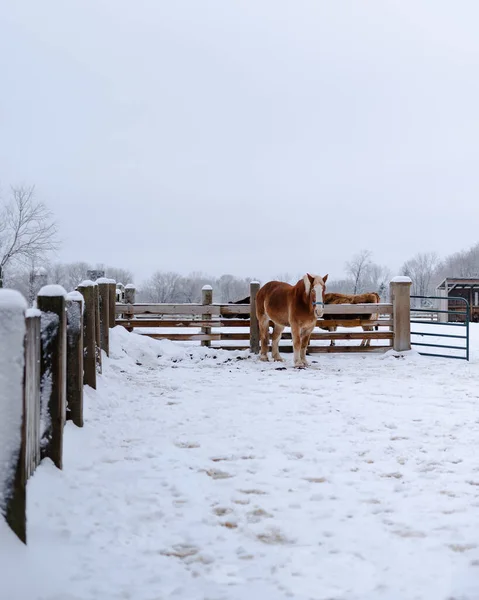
pixel 221 512
pixel 181 551
pixel 255 516
pixel 462 547
pixel 229 524
pixel 187 444
pixel 218 474
pixel 315 479
pixel 280 369
pixel 392 475
pixel 254 492
pixel 275 537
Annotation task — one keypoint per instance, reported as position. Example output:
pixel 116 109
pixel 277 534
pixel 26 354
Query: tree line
pixel 29 237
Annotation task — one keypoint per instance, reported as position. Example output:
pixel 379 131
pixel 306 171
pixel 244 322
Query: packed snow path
pixel 208 475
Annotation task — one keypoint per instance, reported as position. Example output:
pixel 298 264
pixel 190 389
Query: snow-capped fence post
pixel 104 296
pixel 12 420
pixel 253 327
pixel 97 329
pixel 112 303
pixel 32 390
pixel 75 358
pixel 400 293
pixel 129 299
pixel 51 301
pixel 206 300
pixel 87 290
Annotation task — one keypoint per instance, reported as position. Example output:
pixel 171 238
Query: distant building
pixel 459 287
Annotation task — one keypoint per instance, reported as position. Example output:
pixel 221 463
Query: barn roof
pixel 459 282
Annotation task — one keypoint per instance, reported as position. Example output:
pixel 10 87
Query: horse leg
pixel 263 323
pixel 305 337
pixel 277 331
pixel 296 335
pixel 367 342
pixel 332 329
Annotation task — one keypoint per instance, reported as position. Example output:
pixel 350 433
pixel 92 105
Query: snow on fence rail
pixel 214 322
pixel 47 354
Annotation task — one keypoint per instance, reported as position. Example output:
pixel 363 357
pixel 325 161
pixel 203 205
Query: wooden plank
pixel 358 309
pixel 254 326
pixel 53 374
pixel 181 323
pixel 206 300
pixel 182 309
pixel 339 349
pixel 104 311
pixel 245 323
pixel 12 412
pixel 354 322
pixel 338 335
pixel 400 292
pixel 316 349
pixel 89 340
pixel 229 309
pixel 75 360
pixel 185 337
pixel 32 394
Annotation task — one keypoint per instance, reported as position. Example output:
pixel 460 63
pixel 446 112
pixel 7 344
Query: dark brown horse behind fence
pixel 334 298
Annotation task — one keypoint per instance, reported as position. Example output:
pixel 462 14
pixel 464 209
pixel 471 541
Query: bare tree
pixel 357 268
pixel 421 269
pixel 27 230
pixel 162 286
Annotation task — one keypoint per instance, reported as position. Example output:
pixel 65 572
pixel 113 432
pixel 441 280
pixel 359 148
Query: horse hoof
pixel 300 366
pixel 278 359
pixel 264 358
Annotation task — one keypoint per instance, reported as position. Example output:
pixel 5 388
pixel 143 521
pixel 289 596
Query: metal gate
pixel 458 337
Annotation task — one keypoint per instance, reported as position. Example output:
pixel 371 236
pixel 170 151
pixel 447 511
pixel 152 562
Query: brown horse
pixel 298 306
pixel 333 298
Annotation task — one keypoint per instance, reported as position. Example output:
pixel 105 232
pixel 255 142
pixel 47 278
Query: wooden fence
pixel 56 348
pixel 214 322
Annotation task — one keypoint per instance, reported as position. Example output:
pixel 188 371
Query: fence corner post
pixel 52 303
pixel 87 290
pixel 400 292
pixel 206 300
pixel 12 407
pixel 253 327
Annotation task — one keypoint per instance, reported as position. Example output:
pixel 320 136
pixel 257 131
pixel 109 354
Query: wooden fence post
pixel 12 422
pixel 253 327
pixel 32 390
pixel 206 300
pixel 75 358
pixel 104 296
pixel 97 329
pixel 87 290
pixel 129 299
pixel 112 302
pixel 51 301
pixel 400 292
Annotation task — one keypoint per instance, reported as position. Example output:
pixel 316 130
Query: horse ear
pixel 325 278
pixel 311 278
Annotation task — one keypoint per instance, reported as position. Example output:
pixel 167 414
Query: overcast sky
pixel 250 137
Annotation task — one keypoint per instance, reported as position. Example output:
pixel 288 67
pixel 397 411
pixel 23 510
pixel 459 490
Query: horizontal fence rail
pixel 211 323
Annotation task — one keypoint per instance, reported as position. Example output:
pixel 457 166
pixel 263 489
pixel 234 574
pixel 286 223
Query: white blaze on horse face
pixel 319 306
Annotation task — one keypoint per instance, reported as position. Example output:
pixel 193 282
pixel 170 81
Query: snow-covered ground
pixel 205 474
